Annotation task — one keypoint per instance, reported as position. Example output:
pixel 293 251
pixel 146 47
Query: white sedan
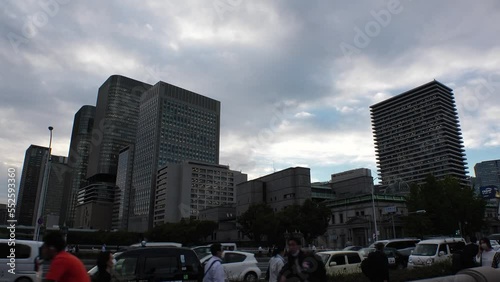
pixel 239 266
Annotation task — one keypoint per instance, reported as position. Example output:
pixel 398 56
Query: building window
pixel 341 218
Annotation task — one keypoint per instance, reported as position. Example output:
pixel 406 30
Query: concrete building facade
pixel 352 182
pixel 174 125
pixel 279 190
pixel 488 173
pixel 418 133
pixel 184 190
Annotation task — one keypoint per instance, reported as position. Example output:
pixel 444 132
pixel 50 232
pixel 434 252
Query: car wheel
pixel 251 277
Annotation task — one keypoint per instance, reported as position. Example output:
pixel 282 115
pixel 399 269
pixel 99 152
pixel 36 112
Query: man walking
pixel 64 267
pixel 302 266
pixel 379 264
pixel 214 271
pixel 276 264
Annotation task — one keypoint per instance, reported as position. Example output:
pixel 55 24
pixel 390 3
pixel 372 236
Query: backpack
pixel 366 267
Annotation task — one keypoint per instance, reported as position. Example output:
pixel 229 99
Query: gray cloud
pixel 257 58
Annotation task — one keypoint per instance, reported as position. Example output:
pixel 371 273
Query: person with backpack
pixel 302 266
pixel 214 271
pixel 275 264
pixel 376 265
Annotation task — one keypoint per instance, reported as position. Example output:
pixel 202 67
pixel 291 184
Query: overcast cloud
pixel 295 78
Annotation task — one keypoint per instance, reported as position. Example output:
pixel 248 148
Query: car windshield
pixel 425 250
pixel 324 257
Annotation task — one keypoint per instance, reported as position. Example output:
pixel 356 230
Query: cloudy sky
pixel 295 78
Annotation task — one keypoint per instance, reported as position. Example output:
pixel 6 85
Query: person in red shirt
pixel 64 267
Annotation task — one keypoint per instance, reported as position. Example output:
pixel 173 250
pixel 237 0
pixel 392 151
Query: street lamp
pixel 374 213
pixel 41 203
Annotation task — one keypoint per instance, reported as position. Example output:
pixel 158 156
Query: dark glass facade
pixel 31 182
pixel 488 173
pixel 122 190
pixel 174 125
pixel 78 159
pixel 417 133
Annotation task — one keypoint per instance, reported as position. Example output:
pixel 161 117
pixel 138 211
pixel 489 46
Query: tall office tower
pixel 115 123
pixel 58 172
pixel 78 160
pixel 174 125
pixel 185 189
pixel 122 190
pixel 31 181
pixel 488 173
pixel 417 133
pixel 114 128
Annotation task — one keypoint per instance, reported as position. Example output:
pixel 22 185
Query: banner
pixel 489 192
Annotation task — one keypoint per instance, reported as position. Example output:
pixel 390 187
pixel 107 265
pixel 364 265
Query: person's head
pixel 473 239
pixel 104 261
pixel 294 245
pixel 53 243
pixel 379 246
pixel 278 250
pixel 216 250
pixel 485 244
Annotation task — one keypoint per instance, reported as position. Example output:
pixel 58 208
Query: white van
pixel 428 252
pixel 26 266
pixel 203 251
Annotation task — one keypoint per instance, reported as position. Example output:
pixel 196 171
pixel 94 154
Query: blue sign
pixel 489 192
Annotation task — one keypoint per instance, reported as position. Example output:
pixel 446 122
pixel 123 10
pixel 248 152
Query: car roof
pixel 441 240
pixel 158 250
pixel 337 252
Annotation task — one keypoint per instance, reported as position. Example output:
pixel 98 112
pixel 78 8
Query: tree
pixel 449 207
pixel 257 222
pixel 184 231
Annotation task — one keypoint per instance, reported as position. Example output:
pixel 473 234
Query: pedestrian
pixel 104 267
pixel 486 256
pixel 469 253
pixel 301 265
pixel 64 267
pixel 260 251
pixel 103 248
pixel 378 263
pixel 77 249
pixel 214 271
pixel 275 264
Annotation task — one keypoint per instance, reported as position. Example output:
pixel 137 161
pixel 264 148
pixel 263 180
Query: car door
pixel 125 268
pixel 234 265
pixel 337 264
pixel 353 263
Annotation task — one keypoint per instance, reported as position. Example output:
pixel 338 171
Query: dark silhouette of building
pixel 114 128
pixel 174 125
pixel 122 189
pixel 488 173
pixel 78 159
pixel 418 133
pixel 31 182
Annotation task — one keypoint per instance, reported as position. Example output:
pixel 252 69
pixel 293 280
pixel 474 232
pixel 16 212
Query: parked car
pixel 203 251
pixel 352 248
pixel 395 258
pixel 341 262
pixel 239 266
pixel 428 252
pixel 365 251
pixel 157 264
pixel 495 245
pixel 398 244
pixel 27 265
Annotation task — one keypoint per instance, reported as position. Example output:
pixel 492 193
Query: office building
pixel 174 125
pixel 488 173
pixel 417 133
pixel 59 171
pixel 279 190
pixel 78 159
pixel 352 182
pixel 31 181
pixel 185 189
pixel 122 190
pixel 115 123
pixel 115 127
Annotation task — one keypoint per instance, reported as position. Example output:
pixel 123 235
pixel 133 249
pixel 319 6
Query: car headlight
pixel 410 260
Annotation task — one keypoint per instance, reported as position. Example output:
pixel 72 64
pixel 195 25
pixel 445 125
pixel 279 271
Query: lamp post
pixel 374 212
pixel 41 203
